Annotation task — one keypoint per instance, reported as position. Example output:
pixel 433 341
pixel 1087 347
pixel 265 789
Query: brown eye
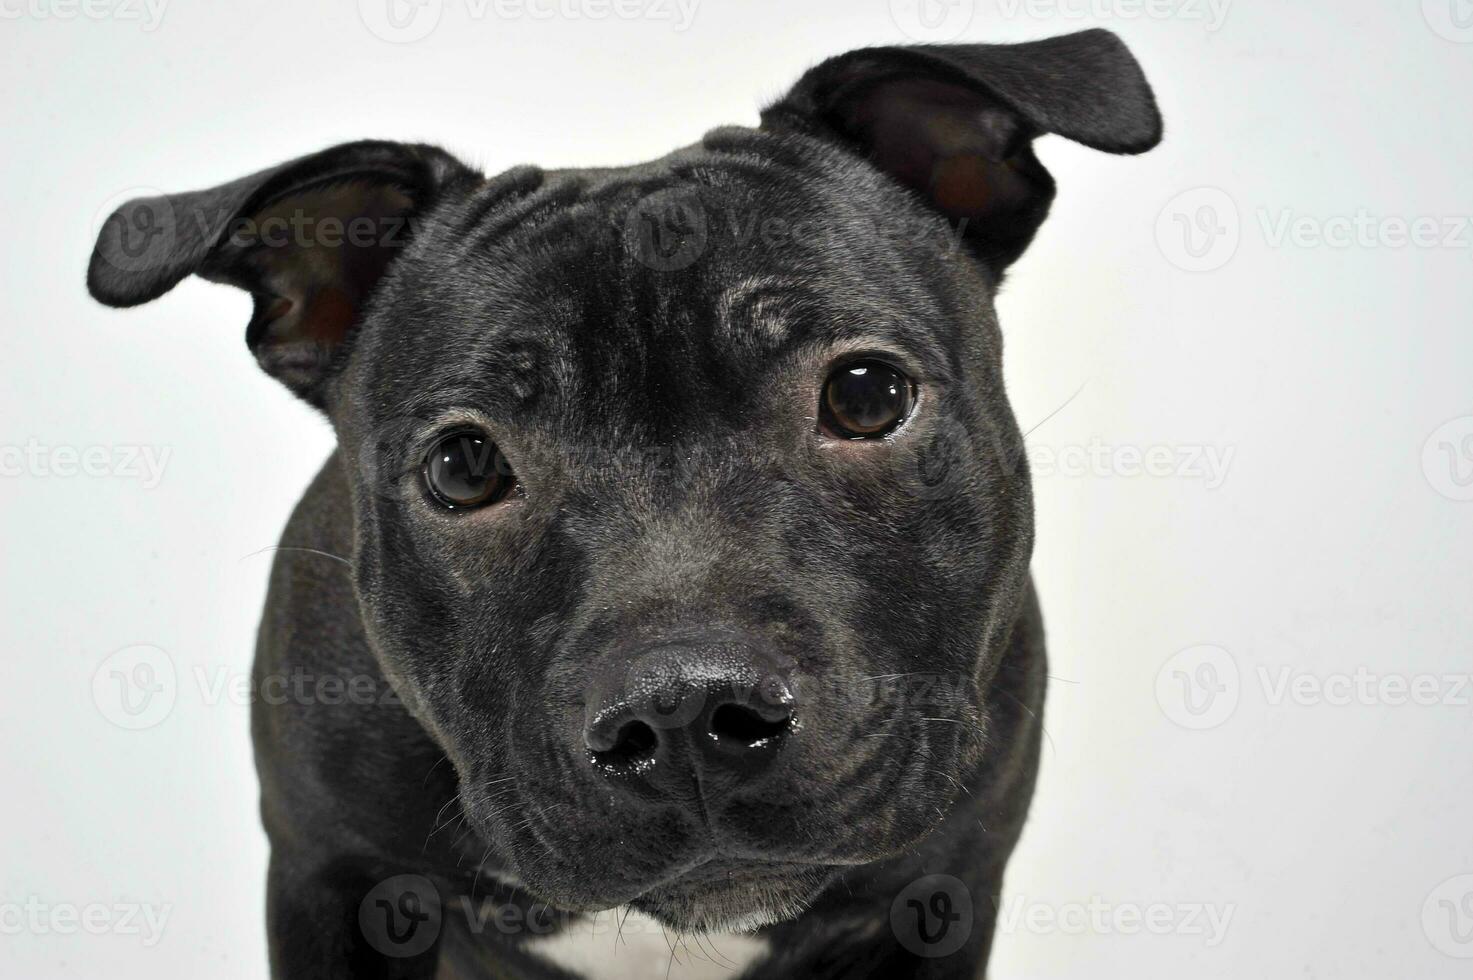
pixel 465 470
pixel 865 400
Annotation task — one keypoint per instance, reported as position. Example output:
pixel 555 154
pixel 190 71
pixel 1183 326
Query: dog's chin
pixel 734 896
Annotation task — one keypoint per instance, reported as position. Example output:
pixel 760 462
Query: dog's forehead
pixel 692 273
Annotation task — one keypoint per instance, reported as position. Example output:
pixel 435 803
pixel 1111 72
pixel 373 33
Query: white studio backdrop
pixel 1248 354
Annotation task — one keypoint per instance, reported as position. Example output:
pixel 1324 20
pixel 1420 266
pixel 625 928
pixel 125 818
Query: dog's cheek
pixel 938 545
pixel 427 630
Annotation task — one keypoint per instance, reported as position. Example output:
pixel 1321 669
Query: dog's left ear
pixel 956 122
pixel 308 239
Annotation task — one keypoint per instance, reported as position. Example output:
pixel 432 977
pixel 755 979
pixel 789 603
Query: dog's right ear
pixel 956 122
pixel 309 240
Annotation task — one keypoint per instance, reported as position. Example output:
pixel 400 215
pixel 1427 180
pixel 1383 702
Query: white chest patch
pixel 622 944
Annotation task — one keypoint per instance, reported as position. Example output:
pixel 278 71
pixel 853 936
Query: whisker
pixel 1057 410
pixel 438 826
pixel 310 551
pixel 442 759
pixel 1047 737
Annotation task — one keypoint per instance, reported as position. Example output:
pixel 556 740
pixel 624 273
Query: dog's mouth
pixel 727 895
pixel 685 884
pixel 716 843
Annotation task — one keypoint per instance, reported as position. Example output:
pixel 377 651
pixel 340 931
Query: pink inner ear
pixel 320 254
pixel 328 316
pixel 950 143
pixel 960 184
pixel 975 187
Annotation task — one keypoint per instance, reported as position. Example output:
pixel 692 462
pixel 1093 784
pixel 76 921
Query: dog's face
pixel 691 517
pixel 776 489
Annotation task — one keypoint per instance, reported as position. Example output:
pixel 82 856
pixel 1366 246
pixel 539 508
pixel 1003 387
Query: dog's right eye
pixel 865 400
pixel 465 470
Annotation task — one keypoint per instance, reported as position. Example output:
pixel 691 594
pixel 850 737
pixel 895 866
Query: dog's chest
pixel 625 945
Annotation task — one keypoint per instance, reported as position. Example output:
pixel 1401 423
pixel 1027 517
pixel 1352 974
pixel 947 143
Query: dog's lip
pixel 745 860
pixel 716 870
pixel 715 865
pixel 743 896
pixel 688 875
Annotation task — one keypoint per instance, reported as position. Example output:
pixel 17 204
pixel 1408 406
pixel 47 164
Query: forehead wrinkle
pixel 495 194
pixel 756 311
pixel 767 316
pixel 554 202
pixel 499 389
pixel 499 353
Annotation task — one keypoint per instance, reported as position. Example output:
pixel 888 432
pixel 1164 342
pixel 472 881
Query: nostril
pixel 634 744
pixel 737 724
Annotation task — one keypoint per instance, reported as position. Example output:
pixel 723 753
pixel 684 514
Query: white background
pixel 1331 543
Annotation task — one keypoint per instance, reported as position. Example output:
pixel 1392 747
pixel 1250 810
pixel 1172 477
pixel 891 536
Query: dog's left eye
pixel 465 470
pixel 865 400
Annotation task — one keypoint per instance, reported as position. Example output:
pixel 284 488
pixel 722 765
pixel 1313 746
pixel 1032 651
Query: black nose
pixel 683 715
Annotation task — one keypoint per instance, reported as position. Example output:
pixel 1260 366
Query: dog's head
pixel 691 516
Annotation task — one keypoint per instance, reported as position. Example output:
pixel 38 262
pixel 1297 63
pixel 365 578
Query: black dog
pixel 681 521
